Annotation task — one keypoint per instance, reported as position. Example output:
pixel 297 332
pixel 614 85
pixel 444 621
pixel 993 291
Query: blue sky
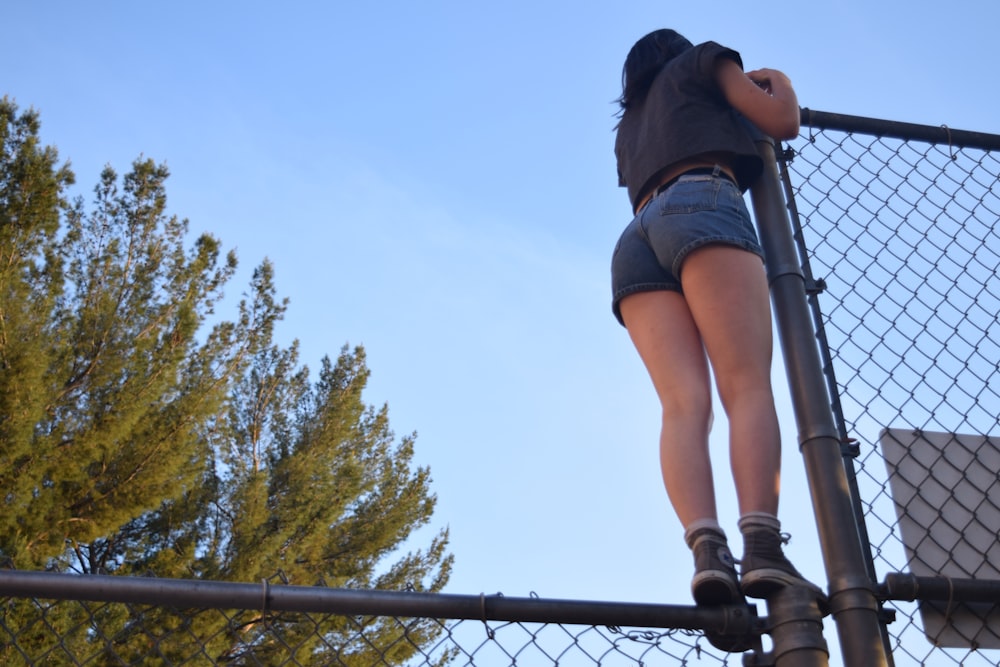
pixel 435 181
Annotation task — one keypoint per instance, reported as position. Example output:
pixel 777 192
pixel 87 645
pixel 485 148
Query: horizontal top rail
pixel 905 586
pixel 940 134
pixel 193 593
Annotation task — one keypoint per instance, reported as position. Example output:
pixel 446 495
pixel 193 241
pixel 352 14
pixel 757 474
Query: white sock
pixel 752 520
pixel 699 525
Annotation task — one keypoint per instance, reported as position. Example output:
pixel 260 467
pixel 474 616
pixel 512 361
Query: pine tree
pixel 130 445
pixel 31 285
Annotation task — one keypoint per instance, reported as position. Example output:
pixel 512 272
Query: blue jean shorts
pixel 696 210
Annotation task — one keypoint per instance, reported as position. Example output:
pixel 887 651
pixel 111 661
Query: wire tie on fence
pixel 267 591
pixel 482 612
pixel 809 122
pixel 951 598
pixel 950 151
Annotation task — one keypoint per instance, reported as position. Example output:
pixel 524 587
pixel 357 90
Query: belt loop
pixel 716 171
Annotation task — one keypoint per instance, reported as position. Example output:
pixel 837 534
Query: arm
pixel 764 96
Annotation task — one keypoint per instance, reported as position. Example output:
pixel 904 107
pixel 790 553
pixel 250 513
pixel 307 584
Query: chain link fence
pixel 898 237
pixel 60 619
pixel 898 229
pixel 457 643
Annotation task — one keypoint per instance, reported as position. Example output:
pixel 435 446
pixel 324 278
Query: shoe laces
pixel 783 538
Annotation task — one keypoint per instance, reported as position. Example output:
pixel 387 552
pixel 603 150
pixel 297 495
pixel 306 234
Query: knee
pixel 753 396
pixel 692 407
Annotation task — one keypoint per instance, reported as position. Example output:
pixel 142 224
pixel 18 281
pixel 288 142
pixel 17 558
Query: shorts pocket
pixel 691 195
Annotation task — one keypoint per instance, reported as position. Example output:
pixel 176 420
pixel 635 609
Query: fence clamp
pixel 815 286
pixel 850 447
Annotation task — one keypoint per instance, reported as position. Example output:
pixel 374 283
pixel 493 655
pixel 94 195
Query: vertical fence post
pixel 852 596
pixel 797 629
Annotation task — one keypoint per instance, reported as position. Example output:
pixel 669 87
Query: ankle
pixel 703 529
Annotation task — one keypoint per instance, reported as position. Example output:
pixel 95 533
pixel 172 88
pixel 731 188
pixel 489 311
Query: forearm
pixel 785 103
pixel 765 97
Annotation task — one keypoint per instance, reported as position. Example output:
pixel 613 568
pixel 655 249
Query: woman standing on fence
pixel 688 281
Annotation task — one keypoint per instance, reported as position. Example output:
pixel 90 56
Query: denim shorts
pixel 696 210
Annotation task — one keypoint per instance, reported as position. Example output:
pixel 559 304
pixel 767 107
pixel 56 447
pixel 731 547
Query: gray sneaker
pixel 765 570
pixel 715 581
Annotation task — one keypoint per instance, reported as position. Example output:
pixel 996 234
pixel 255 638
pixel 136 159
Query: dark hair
pixel 644 61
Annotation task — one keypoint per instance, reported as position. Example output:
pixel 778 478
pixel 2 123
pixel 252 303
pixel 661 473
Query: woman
pixel 689 285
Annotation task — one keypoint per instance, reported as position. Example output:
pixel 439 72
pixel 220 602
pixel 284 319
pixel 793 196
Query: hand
pixel 767 79
pixel 764 96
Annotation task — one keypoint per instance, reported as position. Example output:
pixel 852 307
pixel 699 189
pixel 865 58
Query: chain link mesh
pixel 902 237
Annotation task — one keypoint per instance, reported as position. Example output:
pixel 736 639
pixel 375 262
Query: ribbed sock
pixel 698 526
pixel 757 520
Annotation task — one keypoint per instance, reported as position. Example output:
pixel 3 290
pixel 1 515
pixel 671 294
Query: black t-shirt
pixel 684 114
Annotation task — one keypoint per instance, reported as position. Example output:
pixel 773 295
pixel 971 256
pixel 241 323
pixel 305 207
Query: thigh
pixel 727 293
pixel 664 332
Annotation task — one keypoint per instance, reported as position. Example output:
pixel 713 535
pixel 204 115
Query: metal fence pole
pixel 797 629
pixel 852 597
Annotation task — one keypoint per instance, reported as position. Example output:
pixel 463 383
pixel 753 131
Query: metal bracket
pixel 850 447
pixel 815 286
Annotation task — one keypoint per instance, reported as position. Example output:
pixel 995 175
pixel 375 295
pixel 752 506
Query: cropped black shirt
pixel 684 114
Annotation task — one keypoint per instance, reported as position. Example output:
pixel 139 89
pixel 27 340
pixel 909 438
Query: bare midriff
pixel 673 171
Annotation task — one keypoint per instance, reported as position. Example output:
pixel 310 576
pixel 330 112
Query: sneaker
pixel 765 570
pixel 715 581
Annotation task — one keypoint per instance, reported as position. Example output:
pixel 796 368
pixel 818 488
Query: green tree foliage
pixel 137 439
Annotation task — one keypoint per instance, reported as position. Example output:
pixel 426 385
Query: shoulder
pixel 699 63
pixel 708 53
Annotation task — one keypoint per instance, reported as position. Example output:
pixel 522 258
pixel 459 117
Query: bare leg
pixel 724 312
pixel 727 293
pixel 664 333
